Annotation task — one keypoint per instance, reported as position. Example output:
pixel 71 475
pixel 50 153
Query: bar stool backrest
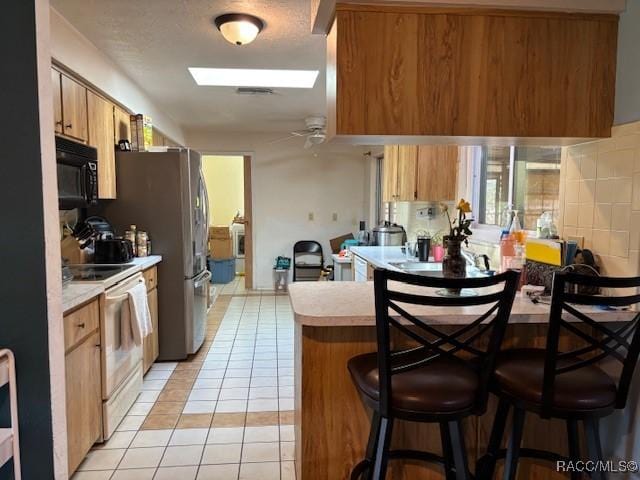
pixel 616 341
pixel 419 341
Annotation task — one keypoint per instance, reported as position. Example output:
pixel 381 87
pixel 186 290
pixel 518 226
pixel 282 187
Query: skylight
pixel 247 77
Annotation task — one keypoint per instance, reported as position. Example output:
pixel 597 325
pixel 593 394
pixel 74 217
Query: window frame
pixel 485 232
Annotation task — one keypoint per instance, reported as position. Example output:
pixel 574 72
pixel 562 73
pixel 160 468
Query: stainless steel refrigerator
pixel 164 194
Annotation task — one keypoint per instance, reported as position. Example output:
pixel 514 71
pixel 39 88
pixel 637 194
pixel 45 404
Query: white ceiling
pixel 154 41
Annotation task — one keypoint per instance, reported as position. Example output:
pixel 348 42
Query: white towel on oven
pixel 139 311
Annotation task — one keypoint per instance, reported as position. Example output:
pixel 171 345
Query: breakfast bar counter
pixel 335 321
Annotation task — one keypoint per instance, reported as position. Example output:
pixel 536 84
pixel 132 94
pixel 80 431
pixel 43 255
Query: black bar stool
pixel 440 377
pixel 566 385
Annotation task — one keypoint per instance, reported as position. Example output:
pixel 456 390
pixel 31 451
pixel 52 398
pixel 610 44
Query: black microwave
pixel 77 166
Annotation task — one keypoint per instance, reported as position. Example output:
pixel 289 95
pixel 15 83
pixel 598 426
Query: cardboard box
pixel 220 248
pixel 220 231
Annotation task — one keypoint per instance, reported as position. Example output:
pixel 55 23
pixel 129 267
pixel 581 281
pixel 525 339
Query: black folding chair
pixel 312 268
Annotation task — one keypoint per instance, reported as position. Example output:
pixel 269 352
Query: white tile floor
pixel 246 374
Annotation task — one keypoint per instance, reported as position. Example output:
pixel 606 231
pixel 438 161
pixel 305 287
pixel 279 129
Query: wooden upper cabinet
pixel 437 173
pixel 74 109
pixel 390 174
pixel 454 72
pixel 122 125
pixel 407 165
pixel 157 138
pixel 56 89
pixel 101 135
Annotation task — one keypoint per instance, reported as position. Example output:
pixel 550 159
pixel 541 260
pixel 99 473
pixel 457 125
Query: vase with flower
pixel 454 265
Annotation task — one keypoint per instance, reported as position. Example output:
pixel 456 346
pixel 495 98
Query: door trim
pixel 248 226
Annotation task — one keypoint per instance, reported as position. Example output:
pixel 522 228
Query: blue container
pixel 222 271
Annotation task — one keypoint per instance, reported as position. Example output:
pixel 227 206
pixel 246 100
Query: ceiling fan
pixel 315 132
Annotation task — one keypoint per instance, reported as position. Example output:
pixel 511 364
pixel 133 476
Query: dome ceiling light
pixel 239 28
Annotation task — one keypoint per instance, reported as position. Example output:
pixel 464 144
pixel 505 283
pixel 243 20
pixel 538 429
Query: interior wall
pixel 628 69
pixel 77 53
pixel 31 290
pixel 290 183
pixel 224 177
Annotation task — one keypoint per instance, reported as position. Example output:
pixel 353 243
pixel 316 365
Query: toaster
pixel 113 250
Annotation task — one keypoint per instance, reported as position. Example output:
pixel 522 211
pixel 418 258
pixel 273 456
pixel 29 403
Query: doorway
pixel 228 180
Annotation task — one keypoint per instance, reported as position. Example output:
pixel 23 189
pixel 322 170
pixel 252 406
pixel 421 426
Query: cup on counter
pixel 410 250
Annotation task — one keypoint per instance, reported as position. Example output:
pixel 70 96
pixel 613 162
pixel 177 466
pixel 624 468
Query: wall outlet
pixel 427 213
pixel 334 217
pixel 311 216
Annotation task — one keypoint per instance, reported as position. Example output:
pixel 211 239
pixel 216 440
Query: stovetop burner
pixel 96 272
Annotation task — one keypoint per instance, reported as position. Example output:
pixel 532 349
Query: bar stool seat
pixel 520 374
pixel 446 385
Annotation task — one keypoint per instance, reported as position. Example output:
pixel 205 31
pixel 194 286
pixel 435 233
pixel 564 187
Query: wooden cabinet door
pixel 56 90
pixel 101 136
pixel 84 400
pixel 74 109
pixel 390 173
pixel 122 125
pixel 407 169
pixel 157 139
pixel 437 173
pixel 150 347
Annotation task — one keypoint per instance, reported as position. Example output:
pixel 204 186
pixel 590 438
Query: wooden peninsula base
pixel 335 323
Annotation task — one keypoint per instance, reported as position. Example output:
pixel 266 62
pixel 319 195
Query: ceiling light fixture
pixel 239 28
pixel 249 77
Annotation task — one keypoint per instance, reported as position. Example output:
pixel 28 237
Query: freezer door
pixel 195 214
pixel 196 292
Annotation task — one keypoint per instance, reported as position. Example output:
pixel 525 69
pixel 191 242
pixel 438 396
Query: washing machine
pixel 237 232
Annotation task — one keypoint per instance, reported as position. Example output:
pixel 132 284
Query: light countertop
pixel 352 303
pixel 380 257
pixel 340 304
pixel 78 292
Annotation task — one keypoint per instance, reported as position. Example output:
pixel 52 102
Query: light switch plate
pixel 311 216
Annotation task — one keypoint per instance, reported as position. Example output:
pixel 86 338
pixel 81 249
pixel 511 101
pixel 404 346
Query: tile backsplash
pixel 600 198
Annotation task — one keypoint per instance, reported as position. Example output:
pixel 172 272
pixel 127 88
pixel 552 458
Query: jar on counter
pixel 141 243
pixel 131 236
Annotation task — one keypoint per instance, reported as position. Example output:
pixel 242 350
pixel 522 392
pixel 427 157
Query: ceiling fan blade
pixel 282 139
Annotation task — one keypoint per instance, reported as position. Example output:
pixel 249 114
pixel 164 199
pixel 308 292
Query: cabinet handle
pixel 59 122
pixel 68 126
pixel 81 325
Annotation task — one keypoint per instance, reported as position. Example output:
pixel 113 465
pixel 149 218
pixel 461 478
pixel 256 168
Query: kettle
pixel 389 235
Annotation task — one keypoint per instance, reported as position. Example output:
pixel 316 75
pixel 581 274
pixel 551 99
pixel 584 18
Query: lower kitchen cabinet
pixel 83 382
pixel 150 347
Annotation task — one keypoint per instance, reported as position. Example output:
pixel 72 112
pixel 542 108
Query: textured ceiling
pixel 154 41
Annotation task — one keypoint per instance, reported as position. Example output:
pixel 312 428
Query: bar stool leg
pixel 363 469
pixel 382 449
pixel 447 454
pixel 513 449
pixel 459 450
pixel 574 444
pixel 487 464
pixel 594 448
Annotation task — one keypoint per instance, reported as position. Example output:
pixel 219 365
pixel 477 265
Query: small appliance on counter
pixel 389 235
pixel 113 250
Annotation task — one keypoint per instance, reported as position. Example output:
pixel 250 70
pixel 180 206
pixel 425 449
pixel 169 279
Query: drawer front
pixel 151 278
pixel 80 323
